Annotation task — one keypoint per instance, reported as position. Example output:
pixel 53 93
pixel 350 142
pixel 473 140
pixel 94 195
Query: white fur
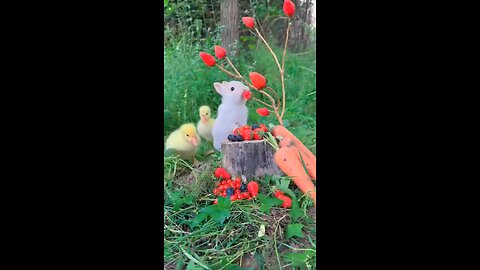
pixel 232 113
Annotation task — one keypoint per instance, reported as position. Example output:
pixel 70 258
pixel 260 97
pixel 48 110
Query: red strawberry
pixel 225 174
pixel 258 81
pixel 252 188
pixel 263 111
pixel 238 185
pixel 207 59
pixel 247 95
pixel 215 201
pixel 245 195
pixel 220 52
pixel 246 135
pixel 257 134
pixel 289 8
pixel 287 202
pixel 233 198
pixel 239 196
pixel 236 131
pixel 278 193
pixel 263 127
pixel 249 22
pixel 215 191
pixel 224 193
pixel 219 172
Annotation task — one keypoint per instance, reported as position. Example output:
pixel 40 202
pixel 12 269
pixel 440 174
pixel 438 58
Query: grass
pixel 194 237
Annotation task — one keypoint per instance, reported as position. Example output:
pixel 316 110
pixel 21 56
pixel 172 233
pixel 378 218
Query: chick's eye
pixel 232 88
pixel 188 135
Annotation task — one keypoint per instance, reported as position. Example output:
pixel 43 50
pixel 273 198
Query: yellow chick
pixel 205 124
pixel 185 141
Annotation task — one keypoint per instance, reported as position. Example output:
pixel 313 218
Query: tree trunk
pixel 251 159
pixel 230 19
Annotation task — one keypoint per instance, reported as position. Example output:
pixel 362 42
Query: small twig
pixel 264 103
pixel 228 60
pixel 283 70
pixel 275 241
pixel 270 49
pixel 274 109
pixel 228 72
pixel 278 98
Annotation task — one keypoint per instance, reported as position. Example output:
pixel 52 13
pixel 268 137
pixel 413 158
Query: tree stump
pixel 251 159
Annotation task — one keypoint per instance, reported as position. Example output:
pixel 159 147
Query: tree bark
pixel 230 19
pixel 251 159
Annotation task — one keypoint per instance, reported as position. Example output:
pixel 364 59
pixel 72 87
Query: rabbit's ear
pixel 218 87
pixel 224 82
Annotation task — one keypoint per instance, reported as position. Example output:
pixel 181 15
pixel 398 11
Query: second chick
pixel 205 125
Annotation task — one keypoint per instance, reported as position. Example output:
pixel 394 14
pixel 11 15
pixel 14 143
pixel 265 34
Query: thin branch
pixel 264 103
pixel 228 60
pixel 270 49
pixel 275 93
pixel 274 107
pixel 228 72
pixel 283 69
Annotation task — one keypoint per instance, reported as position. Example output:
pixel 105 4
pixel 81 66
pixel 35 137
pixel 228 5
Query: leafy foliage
pixel 294 230
pixel 299 259
pixel 218 212
pixel 179 199
pixel 266 203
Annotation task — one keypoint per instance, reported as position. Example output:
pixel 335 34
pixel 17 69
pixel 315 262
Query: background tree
pixel 230 22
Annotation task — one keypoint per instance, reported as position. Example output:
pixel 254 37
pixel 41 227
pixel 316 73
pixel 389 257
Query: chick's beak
pixel 194 141
pixel 204 118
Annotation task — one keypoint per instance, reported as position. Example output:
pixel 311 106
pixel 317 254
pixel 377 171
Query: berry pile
pixel 247 133
pixel 234 189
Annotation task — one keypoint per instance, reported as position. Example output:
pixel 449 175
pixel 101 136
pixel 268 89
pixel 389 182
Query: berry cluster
pixel 247 133
pixel 234 189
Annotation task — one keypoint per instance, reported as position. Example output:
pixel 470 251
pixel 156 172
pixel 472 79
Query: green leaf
pixel 299 259
pixel 180 264
pixel 296 212
pixel 198 220
pixel 267 203
pixel 294 230
pixel 218 212
pixel 192 266
pixel 224 202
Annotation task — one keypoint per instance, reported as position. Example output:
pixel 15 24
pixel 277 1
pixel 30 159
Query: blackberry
pixel 232 138
pixel 243 188
pixel 230 191
pixel 239 138
pixel 255 126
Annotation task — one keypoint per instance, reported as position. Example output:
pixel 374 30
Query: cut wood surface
pixel 251 159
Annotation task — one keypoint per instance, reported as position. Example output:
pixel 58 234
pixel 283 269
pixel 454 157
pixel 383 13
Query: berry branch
pixel 258 82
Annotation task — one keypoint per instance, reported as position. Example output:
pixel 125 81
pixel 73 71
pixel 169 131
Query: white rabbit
pixel 232 113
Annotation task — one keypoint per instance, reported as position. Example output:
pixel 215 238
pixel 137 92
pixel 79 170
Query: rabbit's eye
pixel 232 88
